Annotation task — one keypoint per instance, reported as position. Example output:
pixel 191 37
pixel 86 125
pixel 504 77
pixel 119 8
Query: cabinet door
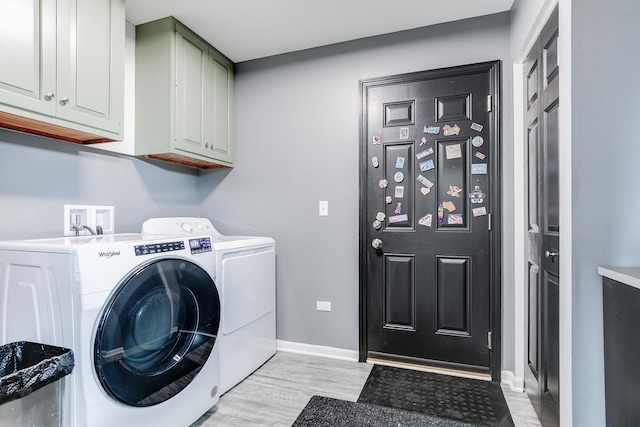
pixel 219 105
pixel 191 59
pixel 27 43
pixel 91 63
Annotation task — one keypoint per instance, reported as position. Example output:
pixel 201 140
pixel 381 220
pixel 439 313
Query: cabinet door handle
pixel 551 254
pixel 49 96
pixel 64 101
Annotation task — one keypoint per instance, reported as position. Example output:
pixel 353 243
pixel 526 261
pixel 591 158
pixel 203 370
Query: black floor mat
pixel 464 399
pixel 327 412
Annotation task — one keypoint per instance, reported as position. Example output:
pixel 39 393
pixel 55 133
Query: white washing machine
pixel 246 275
pixel 141 314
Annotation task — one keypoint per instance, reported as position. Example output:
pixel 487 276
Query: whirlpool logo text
pixel 108 254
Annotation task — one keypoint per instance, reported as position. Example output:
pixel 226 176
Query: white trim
pixel 515 383
pixel 566 238
pixel 519 218
pixel 317 350
pixel 545 12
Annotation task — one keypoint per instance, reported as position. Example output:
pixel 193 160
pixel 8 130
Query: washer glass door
pixel 156 332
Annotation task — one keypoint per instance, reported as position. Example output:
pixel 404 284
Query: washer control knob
pixel 186 227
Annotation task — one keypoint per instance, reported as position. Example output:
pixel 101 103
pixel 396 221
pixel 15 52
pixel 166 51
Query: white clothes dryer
pixel 246 275
pixel 141 314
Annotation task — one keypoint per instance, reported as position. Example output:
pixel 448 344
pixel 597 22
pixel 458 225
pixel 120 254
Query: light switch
pixel 323 208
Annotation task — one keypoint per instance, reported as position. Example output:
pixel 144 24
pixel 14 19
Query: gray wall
pixel 38 176
pixel 297 143
pixel 524 15
pixel 605 170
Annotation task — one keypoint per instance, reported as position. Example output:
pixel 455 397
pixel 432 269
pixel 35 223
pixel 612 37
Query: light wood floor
pixel 277 392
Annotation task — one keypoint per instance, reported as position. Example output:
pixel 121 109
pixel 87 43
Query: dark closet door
pixel 542 378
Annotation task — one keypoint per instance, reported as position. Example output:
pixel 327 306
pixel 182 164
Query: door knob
pixel 376 243
pixel 551 254
pixel 64 101
pixel 49 96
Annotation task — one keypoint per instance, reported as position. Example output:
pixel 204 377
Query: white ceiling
pixel 250 29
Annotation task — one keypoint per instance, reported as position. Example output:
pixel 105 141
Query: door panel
pixel 399 291
pixel 398 114
pixel 452 170
pixel 532 336
pixel 92 56
pixel 90 75
pixel 454 107
pixel 454 286
pixel 551 180
pixel 219 109
pixel 28 37
pixel 430 159
pixel 191 60
pixel 542 377
pixel 552 333
pixel 400 192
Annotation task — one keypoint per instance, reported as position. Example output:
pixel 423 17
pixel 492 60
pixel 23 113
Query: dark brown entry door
pixel 429 196
pixel 542 378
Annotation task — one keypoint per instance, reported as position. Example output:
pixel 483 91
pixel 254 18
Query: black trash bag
pixel 27 366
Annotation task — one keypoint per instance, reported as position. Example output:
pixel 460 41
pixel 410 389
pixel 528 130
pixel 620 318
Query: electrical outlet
pixel 90 216
pixel 323 305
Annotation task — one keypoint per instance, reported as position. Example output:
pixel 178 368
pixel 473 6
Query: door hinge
pixel 489 340
pixel 489 103
pixel 490 221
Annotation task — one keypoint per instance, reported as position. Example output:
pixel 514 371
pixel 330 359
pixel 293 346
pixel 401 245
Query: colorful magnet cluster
pixel 398 189
pixel 452 152
pixel 398 192
pixel 477 196
pixel 446 210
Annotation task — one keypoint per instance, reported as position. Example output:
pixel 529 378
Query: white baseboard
pixel 515 383
pixel 317 350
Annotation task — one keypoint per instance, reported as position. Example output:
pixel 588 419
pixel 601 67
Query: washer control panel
pixel 200 245
pixel 196 246
pixel 154 248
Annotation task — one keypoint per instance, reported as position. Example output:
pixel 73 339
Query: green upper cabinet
pixel 184 97
pixel 64 70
